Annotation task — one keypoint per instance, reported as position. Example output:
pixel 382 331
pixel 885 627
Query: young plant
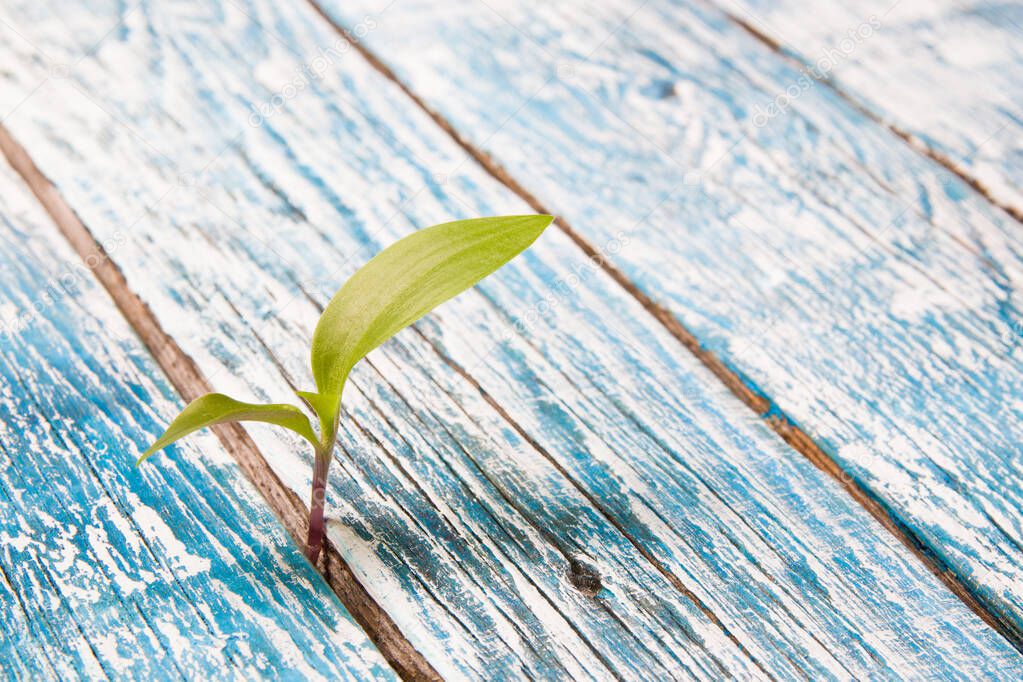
pixel 394 289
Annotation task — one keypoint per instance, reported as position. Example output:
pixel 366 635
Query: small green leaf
pixel 404 282
pixel 217 408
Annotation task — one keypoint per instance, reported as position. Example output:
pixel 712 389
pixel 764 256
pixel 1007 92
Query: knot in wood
pixel 584 577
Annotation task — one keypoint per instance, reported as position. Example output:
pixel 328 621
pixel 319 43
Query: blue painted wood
pixel 112 572
pixel 542 424
pixel 947 74
pixel 865 291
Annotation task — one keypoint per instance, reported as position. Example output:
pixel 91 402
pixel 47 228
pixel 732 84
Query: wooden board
pixel 530 436
pixel 109 571
pixel 865 292
pixel 947 74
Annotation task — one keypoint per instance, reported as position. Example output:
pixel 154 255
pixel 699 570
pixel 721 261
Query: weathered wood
pixel 946 75
pixel 533 441
pixel 867 294
pixel 108 571
pixel 189 382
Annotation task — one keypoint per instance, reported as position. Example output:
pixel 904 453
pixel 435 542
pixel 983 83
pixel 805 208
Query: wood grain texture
pixel 868 295
pixel 113 572
pixel 189 382
pixel 947 75
pixel 537 480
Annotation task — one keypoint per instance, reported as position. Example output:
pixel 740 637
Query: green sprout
pixel 395 288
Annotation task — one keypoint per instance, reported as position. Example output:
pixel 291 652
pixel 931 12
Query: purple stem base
pixel 317 528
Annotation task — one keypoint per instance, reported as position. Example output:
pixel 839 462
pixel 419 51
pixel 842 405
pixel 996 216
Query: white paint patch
pixel 183 562
pixel 18 543
pixel 9 314
pixel 923 298
pixel 107 645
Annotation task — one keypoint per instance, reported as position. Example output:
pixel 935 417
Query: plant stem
pixel 314 543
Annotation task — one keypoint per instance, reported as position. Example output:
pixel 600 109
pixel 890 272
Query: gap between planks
pixel 762 405
pixel 911 140
pixel 190 383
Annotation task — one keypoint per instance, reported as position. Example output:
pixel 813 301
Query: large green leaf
pixel 404 282
pixel 217 408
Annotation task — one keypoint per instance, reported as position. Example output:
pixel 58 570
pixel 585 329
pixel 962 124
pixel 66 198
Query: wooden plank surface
pixel 865 292
pixel 947 74
pixel 532 436
pixel 113 572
